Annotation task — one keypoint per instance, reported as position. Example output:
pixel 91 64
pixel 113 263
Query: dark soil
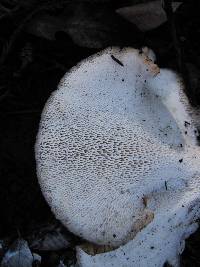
pixel 33 60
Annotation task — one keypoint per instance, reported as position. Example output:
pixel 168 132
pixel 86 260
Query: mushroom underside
pixel 117 159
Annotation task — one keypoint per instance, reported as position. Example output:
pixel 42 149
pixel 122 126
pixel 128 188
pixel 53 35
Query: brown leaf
pixel 88 25
pixel 50 238
pixel 45 26
pixel 146 16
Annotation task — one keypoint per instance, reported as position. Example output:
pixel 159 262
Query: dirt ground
pixel 39 42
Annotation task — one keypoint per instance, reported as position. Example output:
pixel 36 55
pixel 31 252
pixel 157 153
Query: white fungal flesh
pixel 163 240
pixel 117 158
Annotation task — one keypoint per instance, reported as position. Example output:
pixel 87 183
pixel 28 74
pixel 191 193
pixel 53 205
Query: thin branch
pixel 5 9
pixel 4 95
pixel 9 13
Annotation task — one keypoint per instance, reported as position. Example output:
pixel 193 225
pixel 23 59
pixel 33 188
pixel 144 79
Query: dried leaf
pixel 91 26
pixel 50 239
pixel 45 26
pixel 1 249
pixel 17 255
pixel 61 264
pixel 36 260
pixel 146 16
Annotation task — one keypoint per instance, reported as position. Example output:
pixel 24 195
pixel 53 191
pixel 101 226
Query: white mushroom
pixel 118 161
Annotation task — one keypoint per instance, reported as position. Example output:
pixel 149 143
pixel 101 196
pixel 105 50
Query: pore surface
pixel 105 141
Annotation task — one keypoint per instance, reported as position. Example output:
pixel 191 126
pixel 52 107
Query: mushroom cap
pixel 108 137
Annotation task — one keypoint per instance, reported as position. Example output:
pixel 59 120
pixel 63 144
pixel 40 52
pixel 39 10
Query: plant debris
pixel 146 16
pixel 19 254
pixel 117 60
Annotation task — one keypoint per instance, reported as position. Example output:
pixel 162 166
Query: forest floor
pixel 39 42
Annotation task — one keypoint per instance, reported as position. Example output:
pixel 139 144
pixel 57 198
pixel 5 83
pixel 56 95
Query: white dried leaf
pixel 17 255
pixel 1 248
pixel 1 244
pixel 37 258
pixel 146 16
pixel 61 264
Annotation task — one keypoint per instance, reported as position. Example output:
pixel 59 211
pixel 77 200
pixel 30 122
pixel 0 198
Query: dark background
pixel 39 42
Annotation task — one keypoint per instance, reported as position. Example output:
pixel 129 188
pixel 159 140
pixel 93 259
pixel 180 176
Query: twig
pixel 9 13
pixel 3 8
pixel 4 95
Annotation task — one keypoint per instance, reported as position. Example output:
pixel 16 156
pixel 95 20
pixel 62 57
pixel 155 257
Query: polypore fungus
pixel 118 161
